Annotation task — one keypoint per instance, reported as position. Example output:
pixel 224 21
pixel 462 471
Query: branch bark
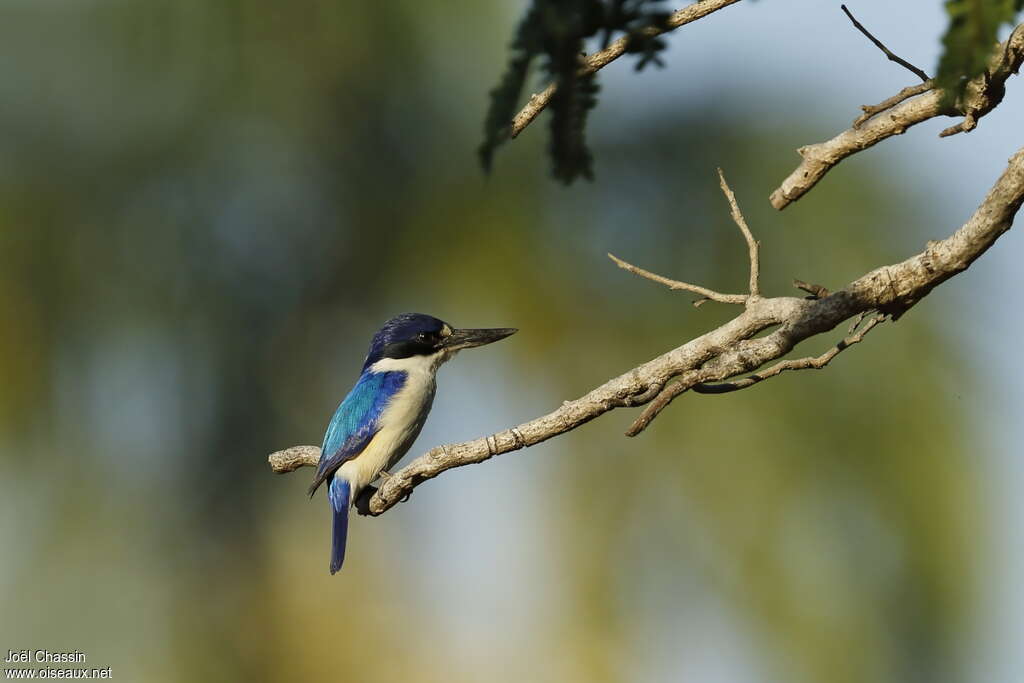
pixel 907 108
pixel 729 350
pixel 816 363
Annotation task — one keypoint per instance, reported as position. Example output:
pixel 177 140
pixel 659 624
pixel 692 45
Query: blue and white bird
pixel 380 418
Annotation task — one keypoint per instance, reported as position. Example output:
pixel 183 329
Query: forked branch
pixel 816 363
pixel 732 349
pixel 896 114
pixel 710 294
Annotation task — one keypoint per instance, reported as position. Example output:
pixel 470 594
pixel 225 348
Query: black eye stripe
pixel 422 345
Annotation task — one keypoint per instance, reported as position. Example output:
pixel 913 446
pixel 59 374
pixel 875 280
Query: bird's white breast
pixel 400 421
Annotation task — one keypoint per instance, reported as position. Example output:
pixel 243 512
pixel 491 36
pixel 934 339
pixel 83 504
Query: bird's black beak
pixel 465 339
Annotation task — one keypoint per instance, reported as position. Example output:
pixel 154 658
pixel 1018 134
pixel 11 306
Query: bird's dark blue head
pixel 417 334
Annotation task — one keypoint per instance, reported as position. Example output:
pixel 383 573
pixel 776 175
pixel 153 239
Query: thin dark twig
pixel 888 53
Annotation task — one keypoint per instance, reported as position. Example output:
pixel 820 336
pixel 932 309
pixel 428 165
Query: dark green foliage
pixel 569 108
pixel 558 30
pixel 566 23
pixel 505 96
pixel 968 43
pixel 635 20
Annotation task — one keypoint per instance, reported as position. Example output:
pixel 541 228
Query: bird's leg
pixel 385 474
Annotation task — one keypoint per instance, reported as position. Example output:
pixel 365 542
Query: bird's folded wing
pixel 355 422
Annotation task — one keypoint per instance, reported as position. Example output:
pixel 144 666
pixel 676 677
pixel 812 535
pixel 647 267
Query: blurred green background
pixel 207 207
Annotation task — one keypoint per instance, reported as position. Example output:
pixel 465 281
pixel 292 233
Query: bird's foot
pixel 363 501
pixel 387 475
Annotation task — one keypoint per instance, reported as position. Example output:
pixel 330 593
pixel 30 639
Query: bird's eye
pixel 422 337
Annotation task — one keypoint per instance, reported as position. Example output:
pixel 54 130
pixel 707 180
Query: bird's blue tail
pixel 338 495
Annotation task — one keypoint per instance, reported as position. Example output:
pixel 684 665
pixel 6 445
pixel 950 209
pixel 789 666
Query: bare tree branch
pixel 708 294
pixel 602 58
pixel 741 223
pixel 816 363
pixel 902 111
pixel 871 110
pixel 660 402
pixel 729 350
pixel 888 53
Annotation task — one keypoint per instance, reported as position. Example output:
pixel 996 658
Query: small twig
pixel 737 217
pixel 677 285
pixel 817 291
pixel 816 363
pixel 643 395
pixel 956 128
pixel 654 408
pixel 871 110
pixel 969 123
pixel 659 402
pixel 705 293
pixel 856 322
pixel 888 53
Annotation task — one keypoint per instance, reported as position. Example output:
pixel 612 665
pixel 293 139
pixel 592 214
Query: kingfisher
pixel 381 417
